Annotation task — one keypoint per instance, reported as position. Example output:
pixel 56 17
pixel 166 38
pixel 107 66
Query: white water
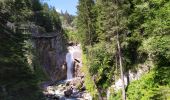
pixel 74 52
pixel 69 61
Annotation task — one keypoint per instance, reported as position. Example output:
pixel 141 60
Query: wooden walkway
pixel 46 35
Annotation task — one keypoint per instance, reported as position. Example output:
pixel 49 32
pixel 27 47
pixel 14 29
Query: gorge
pixel 51 51
pixel 108 50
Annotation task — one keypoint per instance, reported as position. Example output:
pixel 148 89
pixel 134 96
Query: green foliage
pixel 158 18
pixel 48 18
pixel 143 27
pixel 19 79
pixel 140 89
pixel 103 54
pixel 86 22
pixel 72 35
pixel 158 45
pixel 115 95
pixel 68 23
pixel 130 51
pixel 109 20
pixel 150 17
pixel 67 19
pixel 101 61
pixel 90 85
pixel 149 20
pixel 152 86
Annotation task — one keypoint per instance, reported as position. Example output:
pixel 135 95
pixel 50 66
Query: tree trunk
pixel 99 93
pixel 116 62
pixel 121 68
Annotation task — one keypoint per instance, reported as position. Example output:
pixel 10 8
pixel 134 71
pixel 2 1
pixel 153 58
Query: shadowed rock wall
pixel 51 49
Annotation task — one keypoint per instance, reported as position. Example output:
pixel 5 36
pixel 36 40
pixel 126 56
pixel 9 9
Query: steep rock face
pixel 51 51
pixel 77 69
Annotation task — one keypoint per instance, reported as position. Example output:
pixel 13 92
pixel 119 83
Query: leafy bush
pixel 154 85
pixel 90 85
pixel 159 48
pixel 115 95
pixel 101 61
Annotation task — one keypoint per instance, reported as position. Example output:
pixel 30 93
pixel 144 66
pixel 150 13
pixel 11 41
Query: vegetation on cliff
pixel 21 72
pixel 143 28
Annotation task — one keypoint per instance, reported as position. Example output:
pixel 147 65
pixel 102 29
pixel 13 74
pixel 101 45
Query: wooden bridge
pixel 45 35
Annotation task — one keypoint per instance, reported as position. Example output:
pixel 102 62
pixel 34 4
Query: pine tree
pixel 110 26
pixel 86 22
pixel 18 82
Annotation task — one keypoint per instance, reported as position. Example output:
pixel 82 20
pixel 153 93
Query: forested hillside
pixel 21 73
pixel 121 36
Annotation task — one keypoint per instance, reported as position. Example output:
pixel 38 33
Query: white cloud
pixel 58 10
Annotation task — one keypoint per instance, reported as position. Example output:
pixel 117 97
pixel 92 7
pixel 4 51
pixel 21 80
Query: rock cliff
pixel 51 49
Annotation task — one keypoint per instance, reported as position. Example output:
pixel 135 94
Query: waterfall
pixel 69 61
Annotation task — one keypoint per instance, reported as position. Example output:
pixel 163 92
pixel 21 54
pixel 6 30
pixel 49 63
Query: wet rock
pixel 71 43
pixel 78 82
pixel 68 92
pixel 52 97
pixel 50 90
pixel 76 95
pixel 83 88
pixel 67 83
pixel 62 98
pixel 75 90
pixel 55 97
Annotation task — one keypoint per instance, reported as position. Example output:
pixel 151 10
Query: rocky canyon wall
pixel 51 49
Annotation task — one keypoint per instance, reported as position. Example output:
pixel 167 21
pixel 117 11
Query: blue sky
pixel 69 5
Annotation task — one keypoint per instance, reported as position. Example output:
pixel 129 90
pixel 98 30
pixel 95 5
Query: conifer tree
pixel 86 22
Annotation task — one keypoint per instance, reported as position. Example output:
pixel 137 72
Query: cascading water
pixel 69 61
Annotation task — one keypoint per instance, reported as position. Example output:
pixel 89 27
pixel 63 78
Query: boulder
pixel 68 92
pixel 77 69
pixel 52 97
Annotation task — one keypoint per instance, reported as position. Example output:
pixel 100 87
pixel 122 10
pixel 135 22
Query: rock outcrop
pixel 51 51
